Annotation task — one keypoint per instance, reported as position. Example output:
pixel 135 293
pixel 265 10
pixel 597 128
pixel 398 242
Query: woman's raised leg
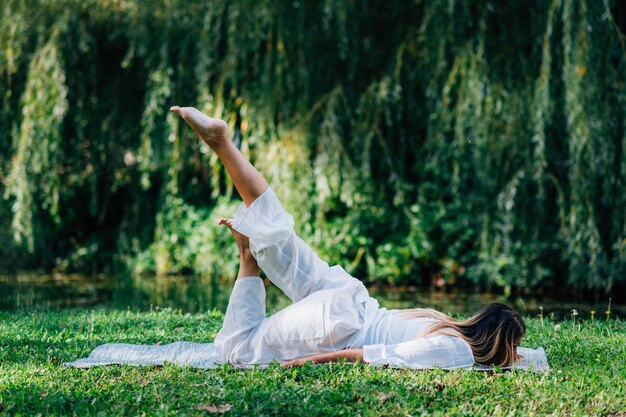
pixel 214 132
pixel 288 262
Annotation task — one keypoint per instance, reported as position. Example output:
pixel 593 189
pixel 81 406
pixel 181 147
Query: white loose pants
pixel 331 310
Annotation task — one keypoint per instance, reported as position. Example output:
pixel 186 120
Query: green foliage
pixel 34 177
pixel 190 240
pixel 586 359
pixel 474 142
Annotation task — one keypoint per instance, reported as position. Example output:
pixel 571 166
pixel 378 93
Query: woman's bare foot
pixel 212 131
pixel 248 266
pixel 242 241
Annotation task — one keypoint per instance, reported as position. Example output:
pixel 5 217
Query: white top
pixel 392 326
pixel 392 340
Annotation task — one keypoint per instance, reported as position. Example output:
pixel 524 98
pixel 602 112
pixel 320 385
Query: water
pixel 193 294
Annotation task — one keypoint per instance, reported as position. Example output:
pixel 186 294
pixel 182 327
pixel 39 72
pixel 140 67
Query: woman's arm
pixel 350 355
pixel 435 351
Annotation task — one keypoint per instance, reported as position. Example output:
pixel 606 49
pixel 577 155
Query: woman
pixel 332 317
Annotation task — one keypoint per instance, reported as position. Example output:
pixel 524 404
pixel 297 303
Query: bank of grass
pixel 588 360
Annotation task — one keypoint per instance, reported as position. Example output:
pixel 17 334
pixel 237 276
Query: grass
pixel 588 360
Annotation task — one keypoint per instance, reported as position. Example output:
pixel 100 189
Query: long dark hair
pixel 492 333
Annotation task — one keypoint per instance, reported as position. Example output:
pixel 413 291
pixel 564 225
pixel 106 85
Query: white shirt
pixel 392 340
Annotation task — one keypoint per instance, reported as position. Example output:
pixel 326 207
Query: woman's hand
pixel 349 355
pixel 299 361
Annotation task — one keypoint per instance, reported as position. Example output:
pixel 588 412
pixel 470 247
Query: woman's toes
pixel 225 222
pixel 211 130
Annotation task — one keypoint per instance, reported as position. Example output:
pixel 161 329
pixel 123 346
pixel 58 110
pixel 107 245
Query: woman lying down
pixel 332 318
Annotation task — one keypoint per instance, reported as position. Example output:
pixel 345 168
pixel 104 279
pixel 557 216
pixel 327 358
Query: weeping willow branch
pixel 33 183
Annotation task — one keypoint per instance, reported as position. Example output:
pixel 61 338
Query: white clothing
pixel 439 351
pixel 390 327
pixel 391 340
pixel 331 310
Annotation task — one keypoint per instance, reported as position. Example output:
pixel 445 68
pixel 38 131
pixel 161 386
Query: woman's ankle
pixel 245 255
pixel 248 266
pixel 248 272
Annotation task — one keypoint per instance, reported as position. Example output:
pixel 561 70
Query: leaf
pixel 439 386
pixel 383 397
pixel 215 409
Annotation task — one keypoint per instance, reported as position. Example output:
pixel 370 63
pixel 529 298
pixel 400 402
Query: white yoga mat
pixel 204 355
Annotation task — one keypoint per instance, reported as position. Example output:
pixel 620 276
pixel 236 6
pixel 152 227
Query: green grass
pixel 587 358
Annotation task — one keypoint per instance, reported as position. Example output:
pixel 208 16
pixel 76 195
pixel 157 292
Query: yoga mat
pixel 204 355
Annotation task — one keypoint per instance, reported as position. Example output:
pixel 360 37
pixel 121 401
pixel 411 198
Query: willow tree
pixel 454 143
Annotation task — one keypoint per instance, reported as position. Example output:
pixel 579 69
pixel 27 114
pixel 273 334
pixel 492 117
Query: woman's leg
pixel 326 320
pixel 214 132
pixel 246 307
pixel 322 322
pixel 245 312
pixel 288 262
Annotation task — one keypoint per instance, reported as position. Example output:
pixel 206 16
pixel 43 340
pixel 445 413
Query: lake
pixel 193 294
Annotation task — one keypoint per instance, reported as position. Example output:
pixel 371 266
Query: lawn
pixel 588 377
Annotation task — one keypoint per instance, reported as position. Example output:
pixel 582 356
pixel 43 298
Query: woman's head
pixel 493 333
